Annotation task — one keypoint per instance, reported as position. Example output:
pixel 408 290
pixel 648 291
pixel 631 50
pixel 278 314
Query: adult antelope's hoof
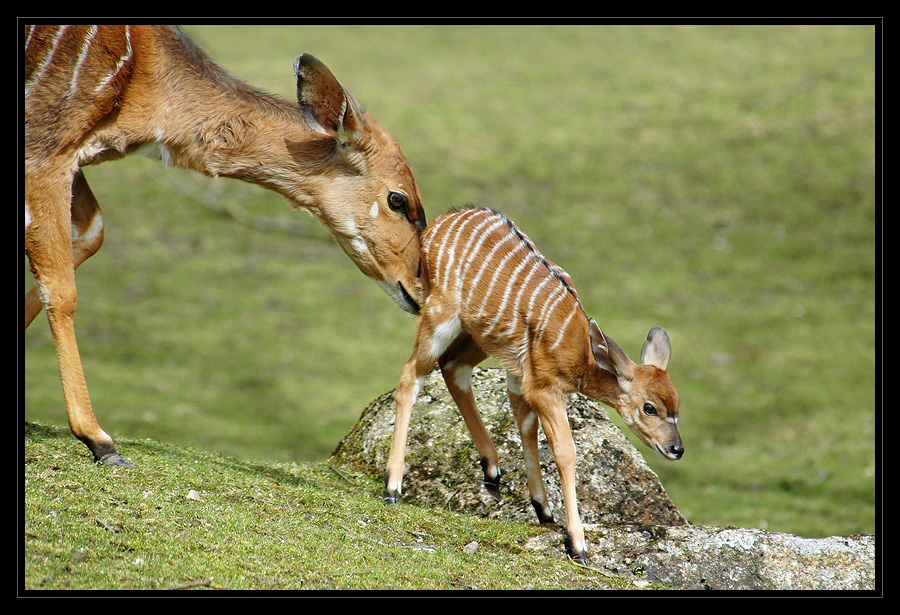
pixel 115 460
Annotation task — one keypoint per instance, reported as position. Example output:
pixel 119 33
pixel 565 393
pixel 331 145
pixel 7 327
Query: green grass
pixel 186 518
pixel 716 180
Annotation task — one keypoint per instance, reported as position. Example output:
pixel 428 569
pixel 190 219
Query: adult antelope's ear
pixel 657 349
pixel 608 354
pixel 327 107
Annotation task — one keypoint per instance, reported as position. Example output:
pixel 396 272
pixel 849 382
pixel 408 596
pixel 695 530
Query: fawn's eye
pixel 649 410
pixel 398 201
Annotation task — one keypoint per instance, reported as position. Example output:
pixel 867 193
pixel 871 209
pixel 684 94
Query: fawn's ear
pixel 657 349
pixel 608 354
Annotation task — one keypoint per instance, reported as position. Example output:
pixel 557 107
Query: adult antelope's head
pixel 645 397
pixel 370 202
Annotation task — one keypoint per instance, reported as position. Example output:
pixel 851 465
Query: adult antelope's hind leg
pixel 49 246
pixel 456 367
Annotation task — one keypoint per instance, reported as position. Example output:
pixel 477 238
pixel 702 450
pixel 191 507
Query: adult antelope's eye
pixel 398 201
pixel 649 410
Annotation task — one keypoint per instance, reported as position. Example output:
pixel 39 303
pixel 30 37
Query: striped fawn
pixel 95 93
pixel 493 294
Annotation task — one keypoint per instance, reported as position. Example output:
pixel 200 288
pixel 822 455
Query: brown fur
pixel 547 344
pixel 95 93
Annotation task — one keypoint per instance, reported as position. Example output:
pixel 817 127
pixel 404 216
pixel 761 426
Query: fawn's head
pixel 642 393
pixel 372 207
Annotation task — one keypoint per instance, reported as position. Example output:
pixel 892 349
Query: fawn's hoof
pixel 491 479
pixel 543 512
pixel 579 557
pixel 493 488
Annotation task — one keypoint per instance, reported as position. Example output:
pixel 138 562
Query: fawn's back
pixel 489 279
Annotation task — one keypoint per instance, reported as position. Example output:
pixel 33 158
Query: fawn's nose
pixel 678 450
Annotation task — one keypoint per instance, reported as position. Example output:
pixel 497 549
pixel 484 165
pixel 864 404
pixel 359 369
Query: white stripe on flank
pixel 85 49
pixel 466 256
pixel 463 222
pixel 28 40
pixel 125 58
pixel 548 309
pixel 497 271
pixel 486 262
pixel 510 284
pixel 39 72
pixel 562 330
pixel 514 312
pixel 534 295
pixel 443 237
pixel 468 251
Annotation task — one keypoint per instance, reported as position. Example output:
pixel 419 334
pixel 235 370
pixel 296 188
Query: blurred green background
pixel 716 180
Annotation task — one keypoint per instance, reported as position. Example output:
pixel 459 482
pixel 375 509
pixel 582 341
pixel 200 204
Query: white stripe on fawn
pixel 464 222
pixel 39 72
pixel 514 312
pixel 125 58
pixel 500 267
pixel 523 293
pixel 85 50
pixel 467 253
pixel 486 262
pixel 510 284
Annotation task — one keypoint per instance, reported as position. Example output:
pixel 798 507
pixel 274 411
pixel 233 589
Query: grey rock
pixel 632 526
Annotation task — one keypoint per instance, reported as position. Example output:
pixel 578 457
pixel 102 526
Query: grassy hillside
pixel 188 519
pixel 716 180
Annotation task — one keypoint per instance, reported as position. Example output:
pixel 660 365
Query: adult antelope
pixel 493 293
pixel 95 93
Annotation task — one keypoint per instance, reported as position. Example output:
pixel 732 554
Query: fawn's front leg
pixel 433 337
pixel 404 398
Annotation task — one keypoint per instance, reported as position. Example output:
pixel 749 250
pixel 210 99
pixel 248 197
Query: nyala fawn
pixel 493 294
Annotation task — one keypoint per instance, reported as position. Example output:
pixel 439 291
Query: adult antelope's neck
pixel 204 119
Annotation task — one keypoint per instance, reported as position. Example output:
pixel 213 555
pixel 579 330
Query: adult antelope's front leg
pixel 48 244
pixel 456 367
pixel 87 237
